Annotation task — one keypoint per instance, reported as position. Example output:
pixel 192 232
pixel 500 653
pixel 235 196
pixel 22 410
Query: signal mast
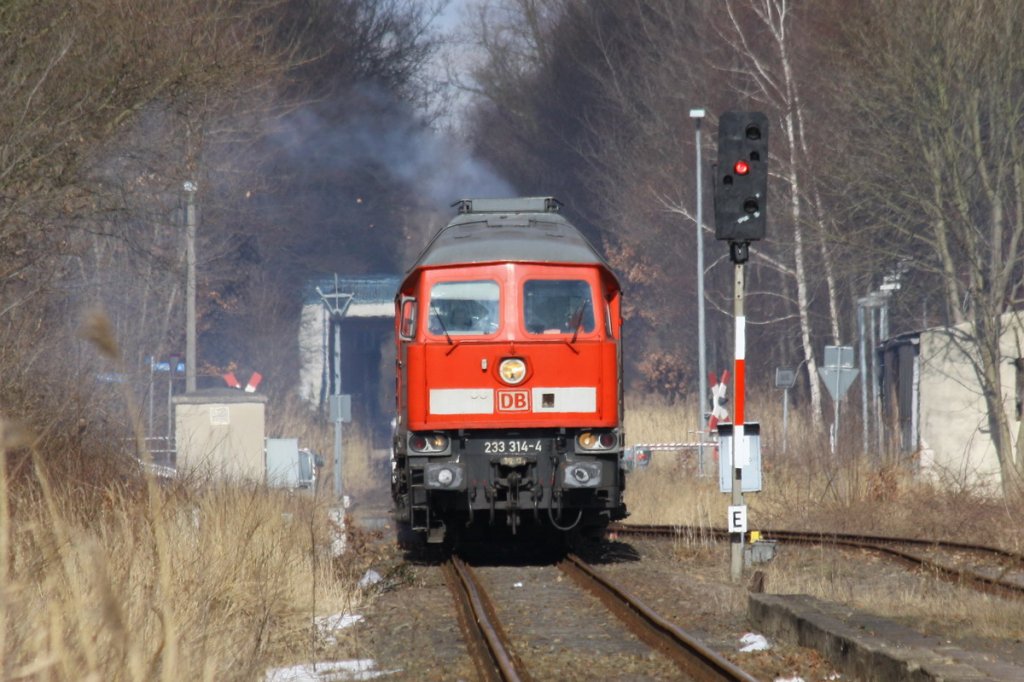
pixel 741 193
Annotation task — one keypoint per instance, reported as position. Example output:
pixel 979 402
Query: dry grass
pixel 362 473
pixel 669 490
pixel 145 582
pixel 808 487
pixel 805 487
pixel 651 420
pixel 914 598
pixel 659 495
pixel 126 579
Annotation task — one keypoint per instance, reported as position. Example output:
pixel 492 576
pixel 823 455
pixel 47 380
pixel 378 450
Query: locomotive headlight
pixel 512 370
pixel 447 476
pixel 582 475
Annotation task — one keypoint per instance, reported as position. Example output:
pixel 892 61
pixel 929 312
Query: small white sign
pixel 220 415
pixel 741 446
pixel 738 518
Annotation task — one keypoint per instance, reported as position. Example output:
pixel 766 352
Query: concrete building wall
pixel 313 346
pixel 312 342
pixel 955 441
pixel 221 433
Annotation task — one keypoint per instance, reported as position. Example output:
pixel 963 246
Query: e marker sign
pixel 738 518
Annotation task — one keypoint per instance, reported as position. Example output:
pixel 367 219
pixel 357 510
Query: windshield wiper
pixel 577 319
pixel 437 314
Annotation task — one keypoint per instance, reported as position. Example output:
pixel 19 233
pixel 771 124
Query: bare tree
pixel 109 106
pixel 940 100
pixel 769 63
pixel 649 60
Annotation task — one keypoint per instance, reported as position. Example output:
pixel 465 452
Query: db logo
pixel 513 401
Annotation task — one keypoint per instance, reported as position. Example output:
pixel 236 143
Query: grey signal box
pixel 340 407
pixel 838 356
pixel 785 377
pixel 751 472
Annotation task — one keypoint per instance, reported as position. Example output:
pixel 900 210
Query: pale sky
pixel 458 54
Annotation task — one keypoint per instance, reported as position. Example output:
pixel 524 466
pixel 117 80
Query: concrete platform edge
pixel 868 646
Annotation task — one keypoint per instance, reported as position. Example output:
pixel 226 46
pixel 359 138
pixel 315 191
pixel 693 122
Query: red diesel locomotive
pixel 509 381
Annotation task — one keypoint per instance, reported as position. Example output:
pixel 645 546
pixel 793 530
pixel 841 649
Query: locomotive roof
pixel 518 230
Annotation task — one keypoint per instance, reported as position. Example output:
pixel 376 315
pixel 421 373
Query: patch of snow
pixel 337 671
pixel 754 642
pixel 517 584
pixel 371 577
pixel 788 679
pixel 327 625
pixel 338 621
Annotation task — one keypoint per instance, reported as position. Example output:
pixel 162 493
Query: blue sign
pixel 165 366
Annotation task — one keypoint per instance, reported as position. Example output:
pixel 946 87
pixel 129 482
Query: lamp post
pixel 697 115
pixel 190 285
pixel 863 303
pixel 866 306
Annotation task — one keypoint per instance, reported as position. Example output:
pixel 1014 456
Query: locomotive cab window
pixel 463 308
pixel 558 306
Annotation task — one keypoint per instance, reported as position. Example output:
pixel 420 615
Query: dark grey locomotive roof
pixel 520 230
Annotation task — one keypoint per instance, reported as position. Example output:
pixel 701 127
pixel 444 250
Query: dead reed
pixel 808 487
pixel 128 579
pixel 171 584
pixel 805 485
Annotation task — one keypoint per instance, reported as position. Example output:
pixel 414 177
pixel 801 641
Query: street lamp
pixel 190 285
pixel 697 115
pixel 867 305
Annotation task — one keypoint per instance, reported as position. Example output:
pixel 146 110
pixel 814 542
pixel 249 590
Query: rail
pixel 692 657
pixel 875 543
pixel 487 642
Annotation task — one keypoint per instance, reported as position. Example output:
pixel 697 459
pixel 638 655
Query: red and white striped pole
pixel 739 441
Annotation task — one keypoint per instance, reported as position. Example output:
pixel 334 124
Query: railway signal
pixel 741 194
pixel 741 180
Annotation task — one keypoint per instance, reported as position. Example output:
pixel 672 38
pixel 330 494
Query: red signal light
pixel 741 167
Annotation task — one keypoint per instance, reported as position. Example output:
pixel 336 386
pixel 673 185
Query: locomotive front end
pixel 509 384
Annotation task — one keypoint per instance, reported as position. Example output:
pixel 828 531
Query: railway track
pixel 494 655
pixel 488 645
pixel 990 569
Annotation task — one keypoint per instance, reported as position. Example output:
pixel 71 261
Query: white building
pixel 346 338
pixel 934 409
